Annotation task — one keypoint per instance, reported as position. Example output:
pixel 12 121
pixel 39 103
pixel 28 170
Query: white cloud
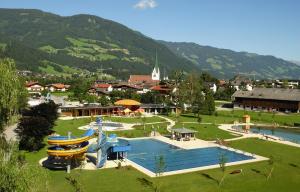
pixel 145 4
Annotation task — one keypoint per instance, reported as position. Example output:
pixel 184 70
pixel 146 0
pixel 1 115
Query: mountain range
pixel 49 43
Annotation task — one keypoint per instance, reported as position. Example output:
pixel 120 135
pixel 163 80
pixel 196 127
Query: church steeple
pixel 156 72
pixel 156 62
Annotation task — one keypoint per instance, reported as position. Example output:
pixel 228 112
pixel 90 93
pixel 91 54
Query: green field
pixel 263 117
pixel 139 130
pixel 134 119
pixel 285 177
pixel 207 132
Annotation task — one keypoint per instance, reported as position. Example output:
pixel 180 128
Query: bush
pixel 32 131
pixel 36 123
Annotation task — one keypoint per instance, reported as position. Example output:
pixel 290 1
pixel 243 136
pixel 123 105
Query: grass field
pixel 67 93
pixel 139 130
pixel 285 177
pixel 207 132
pixel 134 119
pixel 205 118
pixel 263 117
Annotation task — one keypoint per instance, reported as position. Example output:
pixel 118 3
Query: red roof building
pixel 33 86
pixel 58 87
pixel 140 79
pixel 161 88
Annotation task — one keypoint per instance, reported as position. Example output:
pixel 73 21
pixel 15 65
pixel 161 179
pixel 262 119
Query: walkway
pixel 228 127
pixel 171 123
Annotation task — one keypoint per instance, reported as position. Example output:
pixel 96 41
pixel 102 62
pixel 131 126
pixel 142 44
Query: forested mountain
pixel 41 41
pixel 45 42
pixel 224 63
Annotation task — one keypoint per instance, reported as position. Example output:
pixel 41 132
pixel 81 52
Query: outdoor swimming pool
pixel 144 151
pixel 292 135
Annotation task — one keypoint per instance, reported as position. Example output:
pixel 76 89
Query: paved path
pixel 10 132
pixel 171 123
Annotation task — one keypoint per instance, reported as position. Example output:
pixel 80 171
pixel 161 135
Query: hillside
pixel 224 63
pixel 49 43
pixel 46 42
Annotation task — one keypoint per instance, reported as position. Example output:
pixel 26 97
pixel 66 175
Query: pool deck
pixel 228 127
pixel 193 144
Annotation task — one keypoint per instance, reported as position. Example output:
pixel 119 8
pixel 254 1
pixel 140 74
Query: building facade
pixel 269 99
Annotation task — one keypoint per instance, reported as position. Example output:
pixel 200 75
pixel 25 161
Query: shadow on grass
pixel 258 172
pixel 207 176
pixel 294 165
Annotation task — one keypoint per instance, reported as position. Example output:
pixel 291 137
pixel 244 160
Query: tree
pixel 103 101
pixel 46 110
pixel 16 174
pixel 36 123
pixel 208 107
pixel 271 163
pixel 149 184
pixel 160 165
pixel 12 96
pixel 75 183
pixel 144 119
pixel 222 164
pixel 31 131
pixel 210 102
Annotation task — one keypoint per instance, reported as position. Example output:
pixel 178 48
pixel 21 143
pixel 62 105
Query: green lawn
pixel 263 117
pixel 140 132
pixel 219 103
pixel 286 175
pixel 189 117
pixel 67 93
pixel 134 119
pixel 207 132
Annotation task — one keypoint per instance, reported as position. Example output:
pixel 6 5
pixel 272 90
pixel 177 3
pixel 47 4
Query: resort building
pixel 269 99
pixel 89 110
pixel 159 109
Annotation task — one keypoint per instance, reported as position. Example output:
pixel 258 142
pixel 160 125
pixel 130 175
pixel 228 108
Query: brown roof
pixel 160 88
pixel 58 85
pixel 102 85
pixel 127 86
pixel 31 83
pixel 140 79
pixel 270 93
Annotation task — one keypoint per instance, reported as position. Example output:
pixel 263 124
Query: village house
pixel 269 99
pixel 127 87
pixel 34 87
pixel 57 87
pixel 100 89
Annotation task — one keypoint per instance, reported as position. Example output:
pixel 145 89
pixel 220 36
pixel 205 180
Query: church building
pixel 148 79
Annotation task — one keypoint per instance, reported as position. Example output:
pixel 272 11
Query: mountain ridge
pixel 84 41
pixel 226 63
pixel 46 42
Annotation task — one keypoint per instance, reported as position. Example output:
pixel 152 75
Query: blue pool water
pixel 144 152
pixel 292 135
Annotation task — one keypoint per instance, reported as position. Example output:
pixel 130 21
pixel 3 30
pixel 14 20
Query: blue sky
pixel 269 27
